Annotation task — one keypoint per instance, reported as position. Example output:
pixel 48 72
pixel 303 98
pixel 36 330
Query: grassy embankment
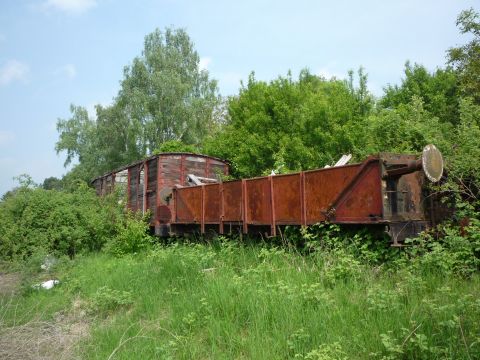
pixel 227 301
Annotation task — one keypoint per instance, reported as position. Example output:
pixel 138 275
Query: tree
pixel 290 124
pixel 437 90
pixel 466 59
pixel 405 129
pixel 79 139
pixel 164 96
pixel 52 183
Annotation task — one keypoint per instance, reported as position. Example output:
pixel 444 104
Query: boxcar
pixel 148 183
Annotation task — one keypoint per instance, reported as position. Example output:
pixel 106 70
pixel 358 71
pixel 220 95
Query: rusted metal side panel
pixel 221 206
pixel 195 165
pixel 173 169
pixel 170 169
pixel 232 201
pixel 152 188
pixel 403 199
pixel 302 200
pixel 362 202
pixel 216 169
pixel 287 195
pixel 258 208
pixel 244 207
pixel 133 174
pixel 322 187
pixel 212 204
pixel 273 217
pixel 145 186
pixel 169 174
pixel 141 187
pixel 189 205
pixel 156 218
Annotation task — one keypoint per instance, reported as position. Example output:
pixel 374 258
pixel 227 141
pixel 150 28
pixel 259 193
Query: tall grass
pixel 229 301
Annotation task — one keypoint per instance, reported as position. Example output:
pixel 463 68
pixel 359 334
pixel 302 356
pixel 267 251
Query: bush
pixel 131 235
pixel 34 220
pixel 107 300
pixel 457 251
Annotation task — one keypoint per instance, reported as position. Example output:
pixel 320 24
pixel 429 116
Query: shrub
pixel 106 300
pixel 131 235
pixel 34 220
pixel 457 251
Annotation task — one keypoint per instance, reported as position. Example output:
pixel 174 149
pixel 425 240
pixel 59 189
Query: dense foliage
pixel 231 300
pixel 290 125
pixel 312 293
pixel 164 96
pixel 466 58
pixel 166 103
pixel 36 222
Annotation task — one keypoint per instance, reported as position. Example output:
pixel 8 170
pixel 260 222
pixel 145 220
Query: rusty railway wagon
pixel 385 190
pixel 148 183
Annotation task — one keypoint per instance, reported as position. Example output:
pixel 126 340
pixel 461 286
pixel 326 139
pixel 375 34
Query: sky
pixel 54 53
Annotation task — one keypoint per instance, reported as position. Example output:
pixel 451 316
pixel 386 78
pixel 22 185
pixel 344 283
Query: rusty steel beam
pixel 273 226
pixel 222 208
pixel 202 216
pixel 157 194
pixel 403 168
pixel 244 207
pixel 145 187
pixel 303 210
pixel 347 190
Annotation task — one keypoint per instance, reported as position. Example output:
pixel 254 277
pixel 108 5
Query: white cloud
pixel 6 137
pixel 69 6
pixel 13 70
pixel 67 70
pixel 204 62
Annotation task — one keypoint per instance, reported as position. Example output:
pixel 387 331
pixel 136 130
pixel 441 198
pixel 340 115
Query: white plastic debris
pixel 48 263
pixel 343 160
pixel 47 285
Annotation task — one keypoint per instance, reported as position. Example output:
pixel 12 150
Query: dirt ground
pixel 9 283
pixel 55 339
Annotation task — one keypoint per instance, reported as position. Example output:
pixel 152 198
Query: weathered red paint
pixel 161 173
pixel 351 194
pixel 384 189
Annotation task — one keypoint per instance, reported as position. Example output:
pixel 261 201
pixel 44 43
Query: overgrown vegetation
pixel 36 222
pixel 54 222
pixel 313 293
pixel 228 299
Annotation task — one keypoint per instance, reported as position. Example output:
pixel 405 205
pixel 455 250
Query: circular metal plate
pixel 432 163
